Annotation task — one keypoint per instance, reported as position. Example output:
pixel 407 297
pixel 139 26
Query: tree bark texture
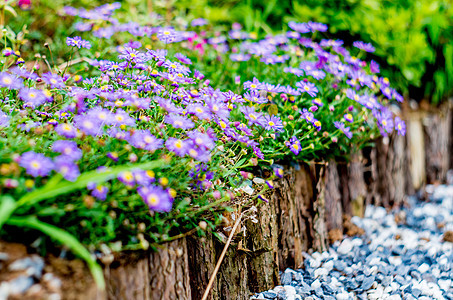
pixel 437 129
pixel 299 198
pixel 334 209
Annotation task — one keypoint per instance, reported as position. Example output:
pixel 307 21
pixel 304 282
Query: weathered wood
pixel 437 128
pixel 169 272
pixel 202 260
pixel 416 145
pixel 261 242
pixel 334 209
pixel 119 282
pixel 356 184
pixel 300 214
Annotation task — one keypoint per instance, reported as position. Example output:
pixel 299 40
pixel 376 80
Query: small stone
pixel 286 278
pixel 345 247
pixel 4 256
pixel 20 285
pixel 315 285
pixel 423 268
pixel 269 295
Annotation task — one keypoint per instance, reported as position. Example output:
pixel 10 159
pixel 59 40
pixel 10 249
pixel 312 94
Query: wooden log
pixel 261 243
pixel 299 206
pixel 334 209
pixel 416 145
pixel 356 184
pixel 437 128
pixel 202 260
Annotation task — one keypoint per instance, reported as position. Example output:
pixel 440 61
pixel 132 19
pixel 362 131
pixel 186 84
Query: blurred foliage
pixel 413 38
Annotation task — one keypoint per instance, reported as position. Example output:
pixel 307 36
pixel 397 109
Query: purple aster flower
pixel 167 35
pixel 10 81
pixel 143 139
pixel 400 126
pixel 294 145
pixel 252 85
pixel 255 96
pixel 168 105
pixel 178 121
pixel 184 59
pixel 199 22
pixel 68 149
pixel 67 168
pixel 4 119
pixel 201 139
pixel 368 47
pixel 78 42
pixel 156 198
pixel 32 97
pixel 273 123
pixel 98 191
pixel 299 27
pixel 66 130
pixel 122 118
pixel 88 125
pixel 53 80
pixel 314 26
pixel 218 108
pixel 317 74
pixel 278 172
pixel 36 164
pixel 143 178
pixel 178 146
pixel 374 67
pixel 127 178
pixel 345 130
pixel 199 110
pixel 240 57
pixel 252 116
pixel 307 87
pixel 348 117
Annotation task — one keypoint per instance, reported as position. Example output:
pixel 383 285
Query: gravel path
pixel 403 255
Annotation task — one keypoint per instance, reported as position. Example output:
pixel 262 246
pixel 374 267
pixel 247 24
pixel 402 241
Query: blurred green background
pixel 413 38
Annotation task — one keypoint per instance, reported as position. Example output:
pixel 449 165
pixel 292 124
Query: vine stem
pixel 219 262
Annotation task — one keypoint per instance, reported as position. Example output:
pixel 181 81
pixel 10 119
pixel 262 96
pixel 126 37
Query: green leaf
pixel 10 10
pixel 66 239
pixel 7 207
pixel 52 189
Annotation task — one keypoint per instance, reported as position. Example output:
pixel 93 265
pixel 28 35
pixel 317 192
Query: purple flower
pixel 374 67
pixel 156 198
pixel 198 22
pixel 98 191
pixel 252 85
pixel 53 80
pixel 36 164
pixel 278 172
pixel 294 145
pixel 122 118
pixel 167 35
pixel 252 116
pixel 78 42
pixel 299 27
pixel 10 81
pixel 32 97
pixel 68 149
pixel 184 59
pixel 307 87
pixel 67 168
pixel 273 123
pixel 199 110
pixel 178 121
pixel 314 26
pixel 143 139
pixel 127 178
pixel 400 126
pixel 368 47
pixel 88 125
pixel 4 119
pixel 348 117
pixel 345 130
pixel 66 130
pixel 178 146
pixel 201 139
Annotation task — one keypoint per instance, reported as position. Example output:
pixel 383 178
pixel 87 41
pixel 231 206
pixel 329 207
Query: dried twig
pixel 219 262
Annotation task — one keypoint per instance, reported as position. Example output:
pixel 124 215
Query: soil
pixel 349 228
